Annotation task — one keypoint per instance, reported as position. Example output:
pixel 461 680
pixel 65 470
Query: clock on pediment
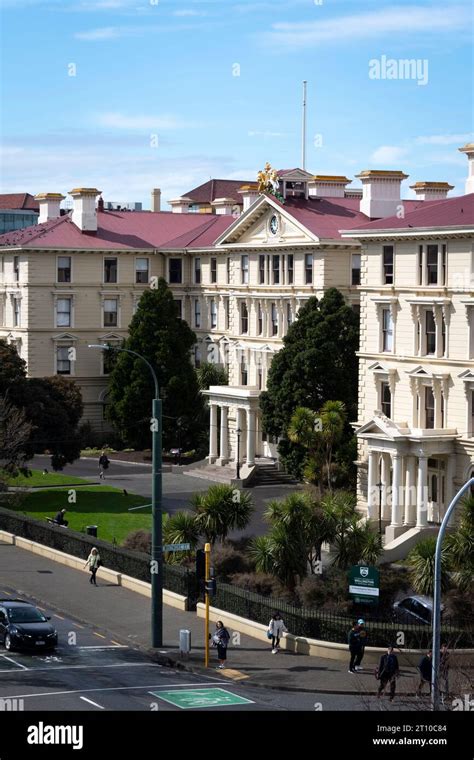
pixel 274 224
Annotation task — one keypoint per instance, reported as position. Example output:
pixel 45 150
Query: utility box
pixel 91 530
pixel 184 642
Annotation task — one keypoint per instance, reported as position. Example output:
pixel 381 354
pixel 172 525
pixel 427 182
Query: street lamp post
pixel 380 486
pixel 437 596
pixel 238 432
pixel 156 567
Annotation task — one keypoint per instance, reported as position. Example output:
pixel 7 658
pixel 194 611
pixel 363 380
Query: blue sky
pixel 168 93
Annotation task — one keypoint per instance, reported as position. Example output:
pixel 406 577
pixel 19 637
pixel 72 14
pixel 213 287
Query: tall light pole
pixel 380 486
pixel 156 567
pixel 437 596
pixel 238 432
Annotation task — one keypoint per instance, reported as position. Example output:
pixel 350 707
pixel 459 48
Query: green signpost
pixel 364 584
pixel 187 699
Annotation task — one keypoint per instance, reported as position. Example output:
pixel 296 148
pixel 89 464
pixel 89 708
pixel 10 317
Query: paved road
pixel 177 488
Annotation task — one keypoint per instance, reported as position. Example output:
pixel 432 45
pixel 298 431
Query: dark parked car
pixel 414 609
pixel 22 626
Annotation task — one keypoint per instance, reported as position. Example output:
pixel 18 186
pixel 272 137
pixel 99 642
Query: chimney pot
pixel 249 195
pixel 84 213
pixel 49 205
pixel 180 205
pixel 468 149
pixel 380 192
pixel 156 199
pixel 431 191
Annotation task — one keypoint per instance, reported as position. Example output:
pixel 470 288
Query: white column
pixel 385 480
pixel 213 434
pixel 422 493
pixel 250 437
pixel 396 520
pixel 371 485
pixel 224 447
pixel 410 488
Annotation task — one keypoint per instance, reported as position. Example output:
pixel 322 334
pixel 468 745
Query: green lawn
pixel 96 505
pixel 37 479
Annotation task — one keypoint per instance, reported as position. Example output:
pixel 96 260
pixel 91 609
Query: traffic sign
pixel 364 582
pixel 176 547
pixel 187 699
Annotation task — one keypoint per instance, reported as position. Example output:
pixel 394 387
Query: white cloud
pixel 117 120
pixel 188 12
pixel 105 33
pixel 387 21
pixel 266 133
pixel 459 139
pixel 388 154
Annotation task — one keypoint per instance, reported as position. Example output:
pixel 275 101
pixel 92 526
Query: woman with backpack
pixel 93 563
pixel 276 628
pixel 220 639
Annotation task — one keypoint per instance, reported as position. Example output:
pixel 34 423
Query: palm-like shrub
pixel 460 547
pixel 421 563
pixel 220 510
pixel 181 528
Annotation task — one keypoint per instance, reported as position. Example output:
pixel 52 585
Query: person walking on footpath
pixel 425 667
pixel 93 563
pixel 276 628
pixel 221 640
pixel 444 671
pixel 103 465
pixel 363 638
pixel 354 645
pixel 388 672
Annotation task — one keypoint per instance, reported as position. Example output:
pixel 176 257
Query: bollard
pixel 184 642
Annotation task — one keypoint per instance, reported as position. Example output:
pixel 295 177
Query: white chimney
pixel 224 205
pixel 469 151
pixel 249 195
pixel 156 199
pixel 431 191
pixel 380 192
pixel 49 206
pixel 180 205
pixel 325 186
pixel 84 213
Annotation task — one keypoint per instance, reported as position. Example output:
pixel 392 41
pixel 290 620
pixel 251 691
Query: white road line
pixel 92 703
pixel 114 688
pixel 88 667
pixel 18 664
pixel 114 646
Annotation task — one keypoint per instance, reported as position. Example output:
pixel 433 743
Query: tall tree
pixel 157 333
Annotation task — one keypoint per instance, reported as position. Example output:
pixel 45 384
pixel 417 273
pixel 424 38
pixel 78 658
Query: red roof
pixel 450 212
pixel 16 201
pixel 124 230
pixel 217 188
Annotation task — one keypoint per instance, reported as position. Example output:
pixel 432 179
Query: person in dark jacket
pixel 363 639
pixel 59 519
pixel 103 464
pixel 425 667
pixel 354 645
pixel 387 672
pixel 221 640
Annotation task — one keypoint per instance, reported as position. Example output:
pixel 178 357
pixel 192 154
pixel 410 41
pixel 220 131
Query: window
pixel 244 265
pixel 432 264
pixel 213 270
pixel 110 269
pixel 110 312
pixel 226 312
pixel 387 330
pixel 274 319
pixel 63 360
pixel 429 408
pixel 259 378
pixel 290 268
pixel 244 373
pixel 244 318
pixel 261 270
pixel 228 269
pixel 176 271
pixel 443 266
pixel 109 359
pixel 197 357
pixel 17 312
pixel 141 271
pixel 64 269
pixel 289 315
pixel 213 315
pixel 430 331
pixel 420 265
pixel 63 312
pixel 197 271
pixel 388 265
pixel 308 269
pixel 355 269
pixel 259 319
pixel 16 268
pixel 197 312
pixel 179 307
pixel 386 399
pixel 276 269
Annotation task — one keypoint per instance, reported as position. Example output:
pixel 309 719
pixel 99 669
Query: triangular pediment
pixel 253 227
pixel 65 336
pixel 380 425
pixel 419 372
pixel 111 336
pixel 296 175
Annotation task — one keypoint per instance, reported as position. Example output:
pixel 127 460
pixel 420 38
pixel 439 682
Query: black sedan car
pixel 22 626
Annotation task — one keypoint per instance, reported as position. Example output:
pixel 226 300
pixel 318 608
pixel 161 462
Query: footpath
pixel 126 614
